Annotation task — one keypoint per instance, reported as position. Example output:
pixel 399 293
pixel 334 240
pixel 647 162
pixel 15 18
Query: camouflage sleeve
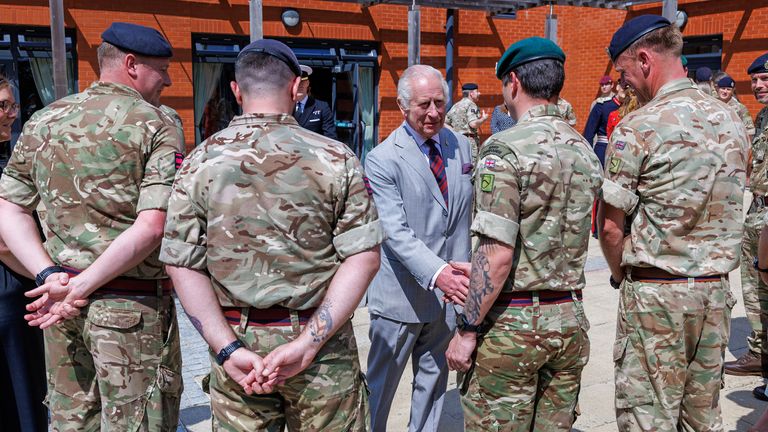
pixel 497 195
pixel 160 167
pixel 358 227
pixel 185 238
pixel 747 119
pixel 624 157
pixel 473 113
pixel 17 185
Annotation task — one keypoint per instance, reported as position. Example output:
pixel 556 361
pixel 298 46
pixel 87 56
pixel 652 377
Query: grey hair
pixel 405 84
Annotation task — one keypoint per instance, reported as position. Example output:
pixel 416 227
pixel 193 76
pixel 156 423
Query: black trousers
pixel 22 360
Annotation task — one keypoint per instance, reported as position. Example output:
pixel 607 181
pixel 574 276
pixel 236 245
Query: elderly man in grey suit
pixel 420 176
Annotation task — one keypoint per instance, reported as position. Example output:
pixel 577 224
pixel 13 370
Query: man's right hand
pixel 453 281
pixel 245 367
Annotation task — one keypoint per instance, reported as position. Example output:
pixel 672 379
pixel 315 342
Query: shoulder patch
pixel 614 165
pixel 486 182
pixel 494 149
pixel 620 145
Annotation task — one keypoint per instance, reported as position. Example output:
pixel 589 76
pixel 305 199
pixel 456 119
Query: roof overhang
pixel 495 7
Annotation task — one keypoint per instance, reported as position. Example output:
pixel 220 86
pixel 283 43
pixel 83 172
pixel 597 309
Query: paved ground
pixel 740 409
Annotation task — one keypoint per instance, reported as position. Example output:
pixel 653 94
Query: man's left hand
pixel 289 359
pixel 459 353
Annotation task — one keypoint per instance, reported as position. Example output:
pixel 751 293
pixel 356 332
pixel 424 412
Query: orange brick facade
pixel 582 32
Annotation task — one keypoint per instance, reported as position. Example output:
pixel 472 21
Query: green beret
pixel 525 51
pixel 684 60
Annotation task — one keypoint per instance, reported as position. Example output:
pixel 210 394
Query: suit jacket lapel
pixel 411 153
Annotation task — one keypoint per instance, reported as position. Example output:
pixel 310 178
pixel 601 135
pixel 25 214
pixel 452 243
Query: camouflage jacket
pixel 94 160
pixel 677 166
pixel 461 114
pixel 270 210
pixel 761 120
pixel 743 113
pixel 758 180
pixel 534 188
pixel 566 110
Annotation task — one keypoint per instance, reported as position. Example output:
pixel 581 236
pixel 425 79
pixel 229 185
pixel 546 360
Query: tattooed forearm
pixel 480 285
pixel 196 324
pixel 321 323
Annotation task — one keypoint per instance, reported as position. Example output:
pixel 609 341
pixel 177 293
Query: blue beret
pixel 703 74
pixel 726 81
pixel 276 49
pixel 137 39
pixel 525 51
pixel 760 65
pixel 469 86
pixel 633 30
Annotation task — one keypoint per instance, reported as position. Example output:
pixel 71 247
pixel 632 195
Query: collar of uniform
pixel 262 118
pixel 675 85
pixel 541 111
pixel 114 88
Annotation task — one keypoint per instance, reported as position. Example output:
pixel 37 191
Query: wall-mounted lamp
pixel 290 17
pixel 681 19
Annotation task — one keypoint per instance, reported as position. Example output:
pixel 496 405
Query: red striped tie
pixel 438 168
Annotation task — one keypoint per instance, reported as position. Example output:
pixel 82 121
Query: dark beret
pixel 703 74
pixel 469 86
pixel 633 30
pixel 525 51
pixel 726 81
pixel 760 65
pixel 137 39
pixel 276 49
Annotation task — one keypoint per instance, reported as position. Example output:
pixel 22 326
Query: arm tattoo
pixel 196 324
pixel 480 285
pixel 321 324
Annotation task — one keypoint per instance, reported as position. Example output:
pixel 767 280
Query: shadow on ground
pixel 744 398
pixel 740 329
pixel 196 414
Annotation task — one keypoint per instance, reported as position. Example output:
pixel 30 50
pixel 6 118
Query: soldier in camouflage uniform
pixel 272 238
pixel 754 291
pixel 465 117
pixel 566 111
pixel 676 167
pixel 725 93
pixel 102 163
pixel 534 188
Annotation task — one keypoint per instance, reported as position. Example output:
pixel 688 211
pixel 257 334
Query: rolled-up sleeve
pixel 497 197
pixel 17 184
pixel 358 227
pixel 185 238
pixel 623 162
pixel 160 169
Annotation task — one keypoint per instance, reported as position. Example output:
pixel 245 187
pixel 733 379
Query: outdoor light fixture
pixel 290 17
pixel 681 19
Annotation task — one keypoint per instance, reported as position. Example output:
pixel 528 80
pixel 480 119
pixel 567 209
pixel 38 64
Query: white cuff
pixel 434 277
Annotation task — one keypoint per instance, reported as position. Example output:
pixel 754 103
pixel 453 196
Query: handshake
pixel 453 281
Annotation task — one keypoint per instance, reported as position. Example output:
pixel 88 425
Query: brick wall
pixel 583 33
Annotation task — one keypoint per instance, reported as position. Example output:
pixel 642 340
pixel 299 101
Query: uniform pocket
pixel 113 335
pixel 631 391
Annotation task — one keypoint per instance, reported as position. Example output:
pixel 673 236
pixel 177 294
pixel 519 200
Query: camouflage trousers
pixel 116 367
pixel 527 375
pixel 754 290
pixel 330 395
pixel 474 146
pixel 668 355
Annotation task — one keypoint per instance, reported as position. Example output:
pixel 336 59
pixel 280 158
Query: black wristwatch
pixel 227 351
pixel 43 275
pixel 614 283
pixel 464 325
pixel 757 267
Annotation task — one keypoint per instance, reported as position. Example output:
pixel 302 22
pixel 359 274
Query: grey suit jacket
pixel 422 234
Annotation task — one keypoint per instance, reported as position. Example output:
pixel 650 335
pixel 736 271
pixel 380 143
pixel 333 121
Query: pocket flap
pixel 114 317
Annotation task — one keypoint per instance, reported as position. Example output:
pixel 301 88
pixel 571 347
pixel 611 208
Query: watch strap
pixel 227 351
pixel 464 325
pixel 43 275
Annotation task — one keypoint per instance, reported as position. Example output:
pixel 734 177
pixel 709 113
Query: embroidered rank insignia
pixel 614 165
pixel 620 145
pixel 486 182
pixel 178 159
